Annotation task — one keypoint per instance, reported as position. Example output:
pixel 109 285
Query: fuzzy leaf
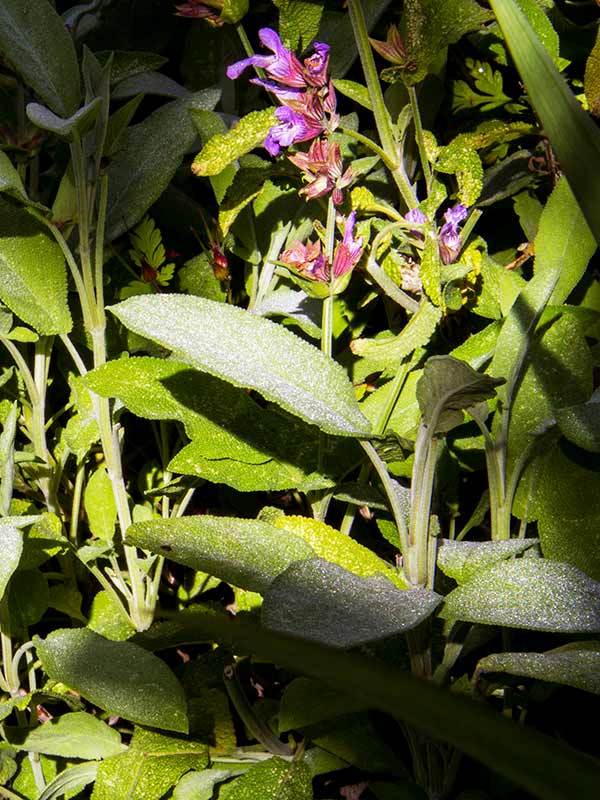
pixel 268 358
pixel 223 148
pixel 10 181
pixel 234 10
pixel 462 560
pixel 149 154
pixel 324 602
pixel 11 546
pixel 247 553
pixel 448 386
pixel 120 677
pixel 73 127
pixel 592 78
pixel 274 779
pixel 33 280
pixel 72 735
pixel 355 91
pixel 529 593
pixel 34 38
pixel 100 505
pixel 337 547
pixel 149 768
pixel 298 22
pixel 577 666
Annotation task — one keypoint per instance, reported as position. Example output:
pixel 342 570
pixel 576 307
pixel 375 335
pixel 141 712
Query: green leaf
pixel 519 753
pixel 10 180
pixel 274 779
pixel 541 25
pixel 149 154
pixel 306 702
pixel 34 38
pixel 223 148
pixel 33 279
pixel 529 593
pixel 338 548
pixel 234 10
pixel 71 128
pixel 462 160
pixel 120 677
pixel 355 91
pixel 305 601
pixel 128 63
pixel 573 135
pixel 100 504
pixel 430 269
pixel 591 80
pixel 298 22
pixel 108 619
pixel 151 766
pixel 11 546
pixel 416 333
pixel 200 785
pixel 234 440
pixel 268 358
pixel 575 665
pixel 247 553
pixel 70 780
pixel 581 424
pixel 448 386
pixel 462 560
pixel 28 597
pixel 72 735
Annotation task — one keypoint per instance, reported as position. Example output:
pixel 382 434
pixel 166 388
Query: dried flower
pixel 450 241
pixel 308 259
pixel 322 170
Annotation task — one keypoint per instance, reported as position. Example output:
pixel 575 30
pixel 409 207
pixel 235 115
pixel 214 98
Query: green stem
pixel 417 560
pixel 382 117
pixel 416 115
pixel 390 490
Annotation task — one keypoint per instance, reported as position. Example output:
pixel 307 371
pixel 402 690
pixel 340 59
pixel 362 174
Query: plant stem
pixel 390 490
pixel 416 115
pixel 382 117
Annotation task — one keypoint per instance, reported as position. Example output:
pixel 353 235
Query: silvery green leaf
pixel 10 180
pixel 249 351
pixel 74 126
pixel 71 735
pixel 324 602
pixel 461 560
pixel 530 593
pixel 11 546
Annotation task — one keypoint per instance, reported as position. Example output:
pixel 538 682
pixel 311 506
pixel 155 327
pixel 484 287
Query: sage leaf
pixel 461 560
pixel 234 10
pixel 581 423
pixel 72 735
pixel 324 602
pixel 340 549
pixel 120 677
pixel 448 386
pixel 307 702
pixel 34 39
pixel 247 553
pixel 33 279
pixel 274 779
pixel 572 133
pixel 201 785
pixel 10 180
pixel 11 547
pixel 575 665
pixel 223 148
pixel 530 593
pixel 70 780
pixel 249 351
pixel 100 504
pixel 149 768
pixel 71 128
pixel 148 155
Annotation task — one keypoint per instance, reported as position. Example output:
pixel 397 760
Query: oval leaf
pixel 274 779
pixel 34 38
pixel 70 128
pixel 147 159
pixel 100 504
pixel 11 547
pixel 249 351
pixel 120 677
pixel 245 552
pixel 223 148
pixel 33 279
pixel 461 560
pixel 74 735
pixel 324 602
pixel 578 667
pixel 530 593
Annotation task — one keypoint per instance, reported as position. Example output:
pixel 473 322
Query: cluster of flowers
pixel 450 242
pixel 307 113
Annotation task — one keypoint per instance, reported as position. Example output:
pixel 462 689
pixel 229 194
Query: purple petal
pixel 415 215
pixel 457 214
pixel 283 65
pixel 235 70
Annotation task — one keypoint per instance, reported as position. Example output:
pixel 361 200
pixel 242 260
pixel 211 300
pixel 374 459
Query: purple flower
pixel 450 241
pixel 293 127
pixel 349 251
pixel 283 65
pixel 415 215
pixel 322 170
